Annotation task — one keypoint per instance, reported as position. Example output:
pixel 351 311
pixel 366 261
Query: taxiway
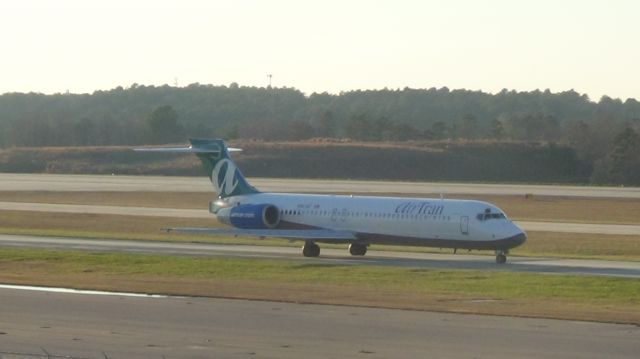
pixel 335 256
pixel 103 326
pixel 54 182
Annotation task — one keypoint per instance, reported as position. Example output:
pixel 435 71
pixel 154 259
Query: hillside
pixel 464 130
pixel 413 161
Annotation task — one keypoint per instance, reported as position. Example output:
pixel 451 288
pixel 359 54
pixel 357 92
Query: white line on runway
pixel 80 291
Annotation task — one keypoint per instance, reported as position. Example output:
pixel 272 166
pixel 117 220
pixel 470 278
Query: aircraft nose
pixel 520 238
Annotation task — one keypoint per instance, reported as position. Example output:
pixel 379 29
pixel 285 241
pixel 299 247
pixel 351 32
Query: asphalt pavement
pixel 118 183
pixel 120 326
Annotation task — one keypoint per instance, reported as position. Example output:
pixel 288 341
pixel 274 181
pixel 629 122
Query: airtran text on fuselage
pixel 419 208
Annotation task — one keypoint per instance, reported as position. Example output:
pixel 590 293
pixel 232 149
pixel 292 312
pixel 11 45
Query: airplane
pixel 358 221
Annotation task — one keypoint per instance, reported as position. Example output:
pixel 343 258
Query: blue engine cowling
pixel 250 216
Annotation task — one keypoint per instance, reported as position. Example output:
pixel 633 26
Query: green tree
pixel 439 130
pixel 579 135
pixel 468 127
pixel 300 130
pixel 162 125
pixel 626 157
pixel 326 125
pixel 403 132
pixel 622 164
pixel 83 132
pixel 358 127
pixel 496 129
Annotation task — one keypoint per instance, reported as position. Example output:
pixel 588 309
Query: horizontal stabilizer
pixel 302 234
pixel 189 149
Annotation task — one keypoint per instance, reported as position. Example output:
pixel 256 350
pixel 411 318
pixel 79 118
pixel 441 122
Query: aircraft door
pixel 464 225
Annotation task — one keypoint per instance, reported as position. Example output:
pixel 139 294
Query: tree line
pixel 603 133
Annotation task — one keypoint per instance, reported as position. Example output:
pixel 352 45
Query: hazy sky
pixel 590 46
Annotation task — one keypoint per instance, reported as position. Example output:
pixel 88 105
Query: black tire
pixel 310 250
pixel 501 259
pixel 316 250
pixel 357 249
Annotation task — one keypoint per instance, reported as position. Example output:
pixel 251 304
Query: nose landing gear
pixel 501 256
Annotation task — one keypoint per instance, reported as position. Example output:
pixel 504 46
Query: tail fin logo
pixel 228 183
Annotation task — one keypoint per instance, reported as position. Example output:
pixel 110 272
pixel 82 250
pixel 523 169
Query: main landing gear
pixel 310 249
pixel 501 256
pixel 357 249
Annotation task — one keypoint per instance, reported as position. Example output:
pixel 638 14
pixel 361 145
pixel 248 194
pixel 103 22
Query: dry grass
pixel 183 200
pixel 86 222
pixel 86 225
pixel 534 208
pixel 579 245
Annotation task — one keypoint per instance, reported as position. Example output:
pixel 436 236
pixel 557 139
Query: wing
pixel 301 234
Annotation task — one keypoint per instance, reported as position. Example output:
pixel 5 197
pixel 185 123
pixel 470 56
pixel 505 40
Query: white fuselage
pixel 395 220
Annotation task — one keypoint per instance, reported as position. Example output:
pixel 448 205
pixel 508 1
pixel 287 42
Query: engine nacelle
pixel 250 216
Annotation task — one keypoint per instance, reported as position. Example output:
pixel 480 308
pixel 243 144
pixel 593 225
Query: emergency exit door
pixel 464 225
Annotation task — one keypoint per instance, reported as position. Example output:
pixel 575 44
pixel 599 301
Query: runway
pixel 114 327
pixel 335 256
pixel 117 183
pixel 589 228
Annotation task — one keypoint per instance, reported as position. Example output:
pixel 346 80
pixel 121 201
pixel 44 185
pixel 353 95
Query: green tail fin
pixel 225 176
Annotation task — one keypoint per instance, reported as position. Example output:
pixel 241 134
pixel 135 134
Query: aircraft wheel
pixel 310 249
pixel 501 258
pixel 316 250
pixel 357 249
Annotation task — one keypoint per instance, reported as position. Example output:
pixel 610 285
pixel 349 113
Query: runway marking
pixel 80 291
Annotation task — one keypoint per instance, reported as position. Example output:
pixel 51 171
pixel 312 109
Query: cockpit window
pixel 488 215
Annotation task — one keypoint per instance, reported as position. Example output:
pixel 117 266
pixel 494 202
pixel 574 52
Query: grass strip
pixel 314 281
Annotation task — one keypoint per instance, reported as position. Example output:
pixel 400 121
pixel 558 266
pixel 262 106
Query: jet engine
pixel 250 216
